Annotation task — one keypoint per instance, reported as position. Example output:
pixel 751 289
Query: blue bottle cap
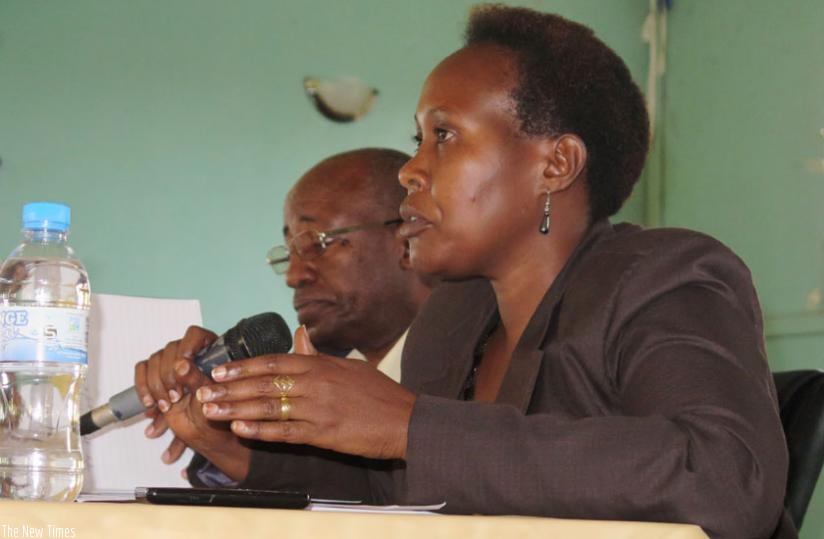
pixel 48 215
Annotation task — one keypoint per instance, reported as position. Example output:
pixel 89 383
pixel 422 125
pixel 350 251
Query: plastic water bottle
pixel 44 307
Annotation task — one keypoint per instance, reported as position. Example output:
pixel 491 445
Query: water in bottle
pixel 44 306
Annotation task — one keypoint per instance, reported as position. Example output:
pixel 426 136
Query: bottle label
pixel 43 334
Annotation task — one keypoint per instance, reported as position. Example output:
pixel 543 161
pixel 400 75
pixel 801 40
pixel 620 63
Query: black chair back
pixel 801 399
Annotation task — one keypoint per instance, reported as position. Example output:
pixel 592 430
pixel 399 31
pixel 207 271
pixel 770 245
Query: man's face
pixel 339 295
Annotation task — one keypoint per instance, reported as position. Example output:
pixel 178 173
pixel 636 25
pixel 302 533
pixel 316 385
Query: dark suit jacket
pixel 639 391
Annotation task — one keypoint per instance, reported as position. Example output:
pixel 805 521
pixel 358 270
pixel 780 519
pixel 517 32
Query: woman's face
pixel 474 194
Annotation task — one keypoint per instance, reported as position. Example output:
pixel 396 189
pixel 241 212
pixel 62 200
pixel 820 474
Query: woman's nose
pixel 413 174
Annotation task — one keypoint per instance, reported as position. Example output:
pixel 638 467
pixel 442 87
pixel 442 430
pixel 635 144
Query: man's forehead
pixel 332 188
pixel 321 209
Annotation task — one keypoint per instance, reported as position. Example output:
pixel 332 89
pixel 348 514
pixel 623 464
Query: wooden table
pixel 114 520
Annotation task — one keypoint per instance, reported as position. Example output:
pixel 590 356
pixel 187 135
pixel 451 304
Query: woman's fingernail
pixel 182 367
pixel 147 401
pixel 149 430
pixel 210 393
pixel 219 373
pixel 210 409
pixel 163 405
pixel 166 456
pixel 203 394
pixel 174 396
pixel 241 427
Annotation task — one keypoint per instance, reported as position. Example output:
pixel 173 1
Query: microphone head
pixel 265 333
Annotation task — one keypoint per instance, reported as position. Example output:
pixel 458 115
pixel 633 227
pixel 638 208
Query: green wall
pixel 174 129
pixel 744 148
pixel 743 155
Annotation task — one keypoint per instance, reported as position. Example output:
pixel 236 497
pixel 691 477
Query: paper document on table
pixel 107 496
pixel 122 331
pixel 358 508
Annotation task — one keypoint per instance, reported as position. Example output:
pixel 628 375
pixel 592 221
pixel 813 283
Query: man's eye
pixel 416 138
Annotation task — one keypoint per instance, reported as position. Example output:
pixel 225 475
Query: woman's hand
pixel 340 404
pixel 155 379
pixel 165 383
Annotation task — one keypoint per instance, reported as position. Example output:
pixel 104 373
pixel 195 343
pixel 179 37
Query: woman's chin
pixel 424 264
pixel 443 266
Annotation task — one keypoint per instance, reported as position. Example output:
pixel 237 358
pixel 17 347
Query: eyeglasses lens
pixel 307 245
pixel 278 259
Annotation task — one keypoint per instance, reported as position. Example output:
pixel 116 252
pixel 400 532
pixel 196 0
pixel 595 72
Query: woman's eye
pixel 442 134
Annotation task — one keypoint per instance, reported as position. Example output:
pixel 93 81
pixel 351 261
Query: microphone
pixel 264 333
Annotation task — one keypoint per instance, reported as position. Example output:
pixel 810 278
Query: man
pixel 353 291
pixel 353 287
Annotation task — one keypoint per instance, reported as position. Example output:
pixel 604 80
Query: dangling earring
pixel 544 229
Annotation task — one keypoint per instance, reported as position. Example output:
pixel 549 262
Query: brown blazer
pixel 640 390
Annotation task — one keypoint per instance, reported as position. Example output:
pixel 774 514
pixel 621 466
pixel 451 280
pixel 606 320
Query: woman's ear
pixel 566 161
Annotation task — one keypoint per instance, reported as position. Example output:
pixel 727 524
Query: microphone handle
pixel 264 333
pixel 216 354
pixel 127 403
pixel 122 406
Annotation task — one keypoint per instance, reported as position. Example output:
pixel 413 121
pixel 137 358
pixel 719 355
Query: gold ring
pixel 284 384
pixel 285 408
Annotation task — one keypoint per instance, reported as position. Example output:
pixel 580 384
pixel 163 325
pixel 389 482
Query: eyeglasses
pixel 310 244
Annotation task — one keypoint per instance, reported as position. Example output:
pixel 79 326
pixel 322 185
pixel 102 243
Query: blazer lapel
pixel 519 381
pixel 449 351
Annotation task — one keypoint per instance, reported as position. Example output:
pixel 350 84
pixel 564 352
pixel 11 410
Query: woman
pixel 569 367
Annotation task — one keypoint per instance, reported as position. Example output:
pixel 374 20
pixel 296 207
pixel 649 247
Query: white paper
pixel 122 331
pixel 393 509
pixel 107 496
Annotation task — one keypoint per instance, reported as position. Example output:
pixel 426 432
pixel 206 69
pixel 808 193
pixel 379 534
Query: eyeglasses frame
pixel 325 238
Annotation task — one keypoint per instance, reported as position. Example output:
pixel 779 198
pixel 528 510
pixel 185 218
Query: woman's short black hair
pixel 571 82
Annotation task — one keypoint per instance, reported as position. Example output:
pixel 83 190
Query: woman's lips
pixel 413 222
pixel 413 227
